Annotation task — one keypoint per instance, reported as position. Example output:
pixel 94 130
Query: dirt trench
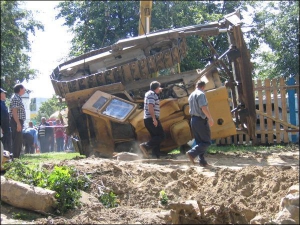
pixel 235 189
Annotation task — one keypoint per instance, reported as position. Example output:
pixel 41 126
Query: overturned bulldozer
pixel 104 89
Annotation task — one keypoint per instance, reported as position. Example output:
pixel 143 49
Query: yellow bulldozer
pixel 104 89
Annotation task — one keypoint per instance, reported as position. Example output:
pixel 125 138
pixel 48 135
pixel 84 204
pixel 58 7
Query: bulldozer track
pixel 126 73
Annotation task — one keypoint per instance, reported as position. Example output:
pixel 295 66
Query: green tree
pixel 16 23
pixel 98 24
pixel 276 24
pixel 49 107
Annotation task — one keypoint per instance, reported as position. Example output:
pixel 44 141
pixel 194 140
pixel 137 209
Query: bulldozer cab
pixel 102 104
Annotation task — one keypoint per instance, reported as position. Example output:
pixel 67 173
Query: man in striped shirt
pixel 151 121
pixel 17 117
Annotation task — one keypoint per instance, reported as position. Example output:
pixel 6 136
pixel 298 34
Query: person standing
pixel 43 135
pixel 6 132
pixel 59 136
pixel 17 117
pixel 51 137
pixel 30 138
pixel 151 121
pixel 201 120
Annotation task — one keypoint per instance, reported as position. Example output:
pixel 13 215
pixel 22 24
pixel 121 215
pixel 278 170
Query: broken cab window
pixel 117 109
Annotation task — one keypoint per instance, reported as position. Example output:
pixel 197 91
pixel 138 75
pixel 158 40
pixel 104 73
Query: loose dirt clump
pixel 234 190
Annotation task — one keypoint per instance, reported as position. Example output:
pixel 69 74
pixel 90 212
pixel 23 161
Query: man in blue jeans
pixel 151 121
pixel 201 121
pixel 30 139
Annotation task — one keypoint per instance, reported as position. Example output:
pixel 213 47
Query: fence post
pixel 291 99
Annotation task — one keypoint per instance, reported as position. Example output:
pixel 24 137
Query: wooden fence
pixel 277 111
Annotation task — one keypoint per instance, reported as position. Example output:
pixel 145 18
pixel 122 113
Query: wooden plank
pixel 135 70
pixel 247 139
pixel 285 123
pixel 261 109
pixel 240 139
pixel 228 140
pixel 100 79
pixel 223 141
pixel 283 106
pixel 109 77
pixel 276 110
pixel 274 131
pixel 269 110
pixel 151 64
pixel 159 60
pixel 167 55
pixel 235 139
pixel 175 55
pixel 144 68
pixel 217 141
pixel 127 73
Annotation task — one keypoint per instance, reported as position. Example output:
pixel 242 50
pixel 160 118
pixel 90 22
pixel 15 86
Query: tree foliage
pixel 97 24
pixel 16 23
pixel 276 24
pixel 49 107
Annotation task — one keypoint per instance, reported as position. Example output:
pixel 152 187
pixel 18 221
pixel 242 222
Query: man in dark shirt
pixel 17 117
pixel 6 139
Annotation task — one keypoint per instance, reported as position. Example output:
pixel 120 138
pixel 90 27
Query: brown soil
pixel 235 189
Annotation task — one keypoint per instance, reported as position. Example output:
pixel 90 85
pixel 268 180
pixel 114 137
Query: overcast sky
pixel 48 47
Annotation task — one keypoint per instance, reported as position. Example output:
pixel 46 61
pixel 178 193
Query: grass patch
pixel 174 152
pixel 49 157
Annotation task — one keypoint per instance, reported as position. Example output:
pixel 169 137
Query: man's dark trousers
pixel 17 138
pixel 28 142
pixel 44 144
pixel 202 134
pixel 6 139
pixel 157 136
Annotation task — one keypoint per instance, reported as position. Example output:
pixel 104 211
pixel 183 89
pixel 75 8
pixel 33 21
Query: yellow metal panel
pixel 181 132
pixel 220 111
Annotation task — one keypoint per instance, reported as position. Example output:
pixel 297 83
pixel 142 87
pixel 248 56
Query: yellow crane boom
pixel 145 17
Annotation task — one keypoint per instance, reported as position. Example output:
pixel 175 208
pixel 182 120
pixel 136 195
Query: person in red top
pixel 59 135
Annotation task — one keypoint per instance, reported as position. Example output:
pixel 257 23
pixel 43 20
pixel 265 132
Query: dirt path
pixel 249 183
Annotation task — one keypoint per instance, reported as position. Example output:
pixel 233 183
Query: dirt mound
pixel 235 190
